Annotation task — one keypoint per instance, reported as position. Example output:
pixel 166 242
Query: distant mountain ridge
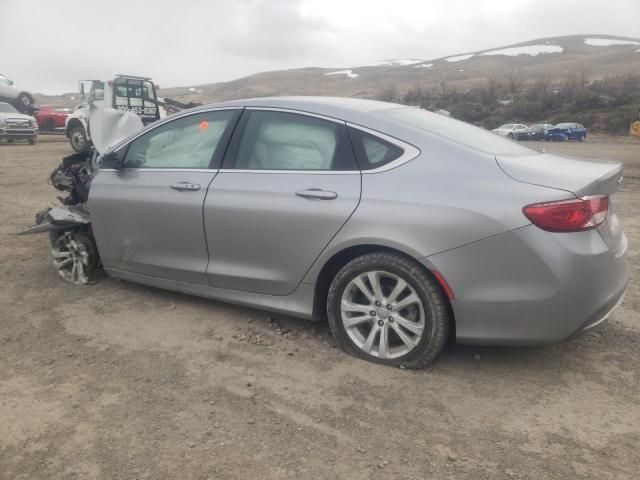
pixel 594 55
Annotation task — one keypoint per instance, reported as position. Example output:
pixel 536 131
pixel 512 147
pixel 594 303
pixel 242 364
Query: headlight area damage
pixel 74 251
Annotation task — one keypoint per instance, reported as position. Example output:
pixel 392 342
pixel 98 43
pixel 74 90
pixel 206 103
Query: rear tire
pixel 49 125
pixel 407 308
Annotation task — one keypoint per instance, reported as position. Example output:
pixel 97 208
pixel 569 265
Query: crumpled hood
pixel 109 126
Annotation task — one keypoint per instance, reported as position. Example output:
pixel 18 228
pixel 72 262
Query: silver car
pixel 23 101
pixel 404 228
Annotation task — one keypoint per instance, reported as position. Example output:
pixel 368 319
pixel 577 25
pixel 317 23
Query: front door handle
pixel 316 193
pixel 185 187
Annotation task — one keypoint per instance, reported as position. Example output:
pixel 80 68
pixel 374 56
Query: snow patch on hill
pixel 424 65
pixel 399 62
pixel 348 73
pixel 532 50
pixel 459 58
pixel 607 42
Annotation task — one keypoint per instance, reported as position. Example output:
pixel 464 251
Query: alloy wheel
pixel 382 314
pixel 72 258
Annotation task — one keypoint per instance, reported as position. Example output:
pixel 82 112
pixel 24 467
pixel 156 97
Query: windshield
pixel 6 108
pixel 564 125
pixel 457 131
pixel 507 126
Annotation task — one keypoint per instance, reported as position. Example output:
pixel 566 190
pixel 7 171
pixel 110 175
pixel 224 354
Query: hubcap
pixel 77 139
pixel 382 314
pixel 71 259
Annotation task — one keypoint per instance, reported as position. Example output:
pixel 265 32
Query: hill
pixel 590 78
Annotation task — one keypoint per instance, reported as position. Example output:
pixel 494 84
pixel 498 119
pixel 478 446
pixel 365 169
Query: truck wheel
pixel 78 140
pixel 33 140
pixel 24 102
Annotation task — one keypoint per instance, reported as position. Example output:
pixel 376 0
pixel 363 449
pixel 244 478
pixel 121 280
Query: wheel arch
pixel 342 257
pixel 73 123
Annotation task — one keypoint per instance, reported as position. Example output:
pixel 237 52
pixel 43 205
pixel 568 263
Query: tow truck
pixel 124 93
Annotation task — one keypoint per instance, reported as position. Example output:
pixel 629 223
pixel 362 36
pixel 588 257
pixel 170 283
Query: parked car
pixel 533 133
pixel 17 126
pixel 20 99
pixel 566 131
pixel 403 227
pixel 51 118
pixel 510 130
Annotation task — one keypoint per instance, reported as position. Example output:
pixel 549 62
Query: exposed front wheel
pixel 386 308
pixel 75 256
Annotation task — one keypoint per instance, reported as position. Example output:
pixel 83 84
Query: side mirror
pixel 111 160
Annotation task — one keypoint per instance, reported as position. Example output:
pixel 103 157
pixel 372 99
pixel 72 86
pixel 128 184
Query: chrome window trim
pixel 298 112
pixel 409 151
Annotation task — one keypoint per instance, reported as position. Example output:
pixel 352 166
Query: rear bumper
pixel 529 287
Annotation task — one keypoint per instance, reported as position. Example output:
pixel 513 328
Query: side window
pixel 97 91
pixel 288 141
pixel 187 142
pixel 373 152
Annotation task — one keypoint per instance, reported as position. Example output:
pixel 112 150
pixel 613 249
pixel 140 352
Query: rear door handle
pixel 185 186
pixel 316 193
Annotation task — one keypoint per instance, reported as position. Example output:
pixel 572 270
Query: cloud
pixel 48 45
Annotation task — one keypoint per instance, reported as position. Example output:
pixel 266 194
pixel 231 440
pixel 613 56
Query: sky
pixel 46 46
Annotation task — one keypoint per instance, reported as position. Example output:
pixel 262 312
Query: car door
pixel 289 183
pixel 147 216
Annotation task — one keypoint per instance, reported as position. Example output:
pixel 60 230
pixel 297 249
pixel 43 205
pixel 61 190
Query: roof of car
pixel 349 109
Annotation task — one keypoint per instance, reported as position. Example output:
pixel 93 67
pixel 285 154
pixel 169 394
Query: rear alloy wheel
pixel 75 257
pixel 385 308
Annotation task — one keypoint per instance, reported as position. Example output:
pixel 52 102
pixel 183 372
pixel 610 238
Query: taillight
pixel 574 215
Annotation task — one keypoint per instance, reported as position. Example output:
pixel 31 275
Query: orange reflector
pixel 204 125
pixel 443 283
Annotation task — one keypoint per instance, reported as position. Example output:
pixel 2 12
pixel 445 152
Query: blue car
pixel 566 131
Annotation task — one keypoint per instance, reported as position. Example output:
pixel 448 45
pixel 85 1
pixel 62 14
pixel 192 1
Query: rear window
pixel 373 152
pixel 457 131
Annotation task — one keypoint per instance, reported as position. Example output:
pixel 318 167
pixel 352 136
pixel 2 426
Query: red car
pixel 51 118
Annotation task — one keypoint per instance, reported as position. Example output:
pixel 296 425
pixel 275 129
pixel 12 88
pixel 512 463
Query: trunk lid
pixel 580 177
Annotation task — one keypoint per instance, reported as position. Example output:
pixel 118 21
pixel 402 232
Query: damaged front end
pixel 73 248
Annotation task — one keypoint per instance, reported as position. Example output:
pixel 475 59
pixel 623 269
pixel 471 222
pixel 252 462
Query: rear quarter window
pixel 373 152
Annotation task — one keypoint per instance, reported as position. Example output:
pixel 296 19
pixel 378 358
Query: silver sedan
pixel 402 227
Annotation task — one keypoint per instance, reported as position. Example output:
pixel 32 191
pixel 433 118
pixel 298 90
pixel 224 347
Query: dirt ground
pixel 121 381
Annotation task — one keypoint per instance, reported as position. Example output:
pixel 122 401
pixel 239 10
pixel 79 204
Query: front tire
pixel 78 140
pixel 386 308
pixel 33 140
